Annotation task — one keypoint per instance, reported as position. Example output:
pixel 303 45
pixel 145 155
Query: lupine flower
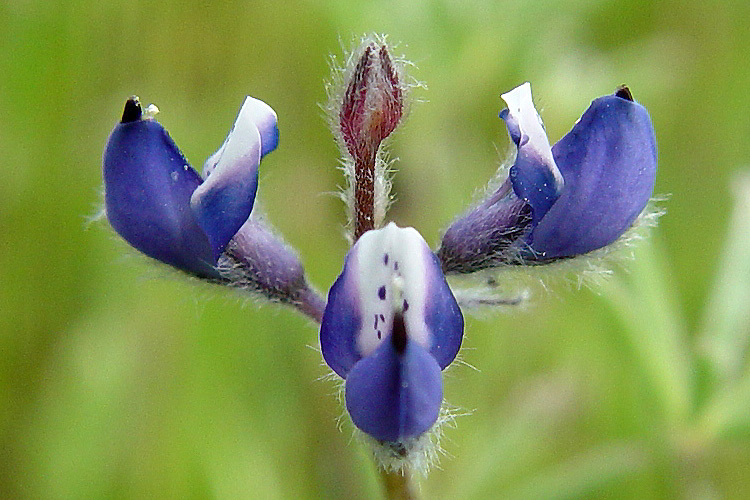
pixel 204 226
pixel 160 205
pixel 390 326
pixel 580 195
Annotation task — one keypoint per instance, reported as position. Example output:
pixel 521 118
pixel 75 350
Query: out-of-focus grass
pixel 118 380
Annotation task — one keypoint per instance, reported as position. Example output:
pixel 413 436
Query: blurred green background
pixel 119 380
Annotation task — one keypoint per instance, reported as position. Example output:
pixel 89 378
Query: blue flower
pixel 160 205
pixel 390 326
pixel 572 198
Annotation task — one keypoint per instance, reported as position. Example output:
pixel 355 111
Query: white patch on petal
pixel 263 116
pixel 521 109
pixel 254 113
pixel 391 269
pixel 238 157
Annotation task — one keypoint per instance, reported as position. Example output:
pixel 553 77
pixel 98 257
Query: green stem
pixel 399 485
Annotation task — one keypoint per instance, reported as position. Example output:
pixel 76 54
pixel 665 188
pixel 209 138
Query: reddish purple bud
pixel 373 103
pixel 371 109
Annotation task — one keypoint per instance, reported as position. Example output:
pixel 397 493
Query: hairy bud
pixel 373 103
pixel 368 110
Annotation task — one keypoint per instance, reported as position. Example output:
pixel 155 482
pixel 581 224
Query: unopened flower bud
pixel 367 112
pixel 373 103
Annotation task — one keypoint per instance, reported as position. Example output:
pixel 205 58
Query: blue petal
pixel 442 316
pixel 269 133
pixel 148 184
pixel 389 272
pixel 341 322
pixel 608 161
pixel 394 396
pixel 264 118
pixel 534 175
pixel 223 203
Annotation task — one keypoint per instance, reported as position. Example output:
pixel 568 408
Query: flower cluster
pixel 390 323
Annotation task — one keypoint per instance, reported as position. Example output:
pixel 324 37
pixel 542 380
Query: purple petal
pixel 342 321
pixel 225 200
pixel 534 175
pixel 394 395
pixel 609 162
pixel 442 316
pixel 148 184
pixel 389 271
pixel 264 118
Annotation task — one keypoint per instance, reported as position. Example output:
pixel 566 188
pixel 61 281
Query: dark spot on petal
pixel 623 92
pixel 406 306
pixel 382 318
pixel 381 292
pixel 132 111
pixel 395 265
pixel 376 321
pixel 385 259
pixel 380 334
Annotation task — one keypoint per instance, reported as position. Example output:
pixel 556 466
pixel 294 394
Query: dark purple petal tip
pixel 623 92
pixel 132 111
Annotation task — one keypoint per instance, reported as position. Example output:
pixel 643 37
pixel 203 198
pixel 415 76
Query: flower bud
pixel 373 103
pixel 370 109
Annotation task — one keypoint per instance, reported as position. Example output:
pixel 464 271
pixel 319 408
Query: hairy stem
pixel 399 485
pixel 364 195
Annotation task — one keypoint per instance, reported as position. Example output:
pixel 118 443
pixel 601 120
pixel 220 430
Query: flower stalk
pixel 399 485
